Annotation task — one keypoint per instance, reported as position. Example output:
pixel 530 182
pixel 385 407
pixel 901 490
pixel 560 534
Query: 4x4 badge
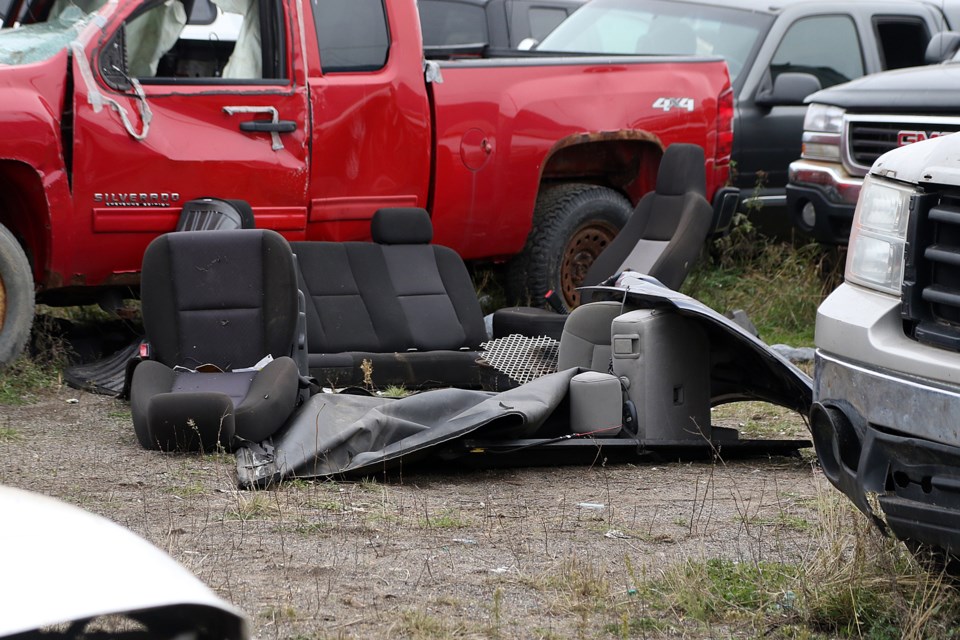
pixel 670 103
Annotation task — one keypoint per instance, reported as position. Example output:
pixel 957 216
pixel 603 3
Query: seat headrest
pixel 401 225
pixel 682 169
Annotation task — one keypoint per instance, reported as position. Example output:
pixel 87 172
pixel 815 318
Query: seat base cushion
pixel 190 411
pixel 412 369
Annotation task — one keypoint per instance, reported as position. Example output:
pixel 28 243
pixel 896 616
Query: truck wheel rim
pixel 583 248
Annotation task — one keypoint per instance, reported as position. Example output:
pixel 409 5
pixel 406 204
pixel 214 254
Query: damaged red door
pixel 187 127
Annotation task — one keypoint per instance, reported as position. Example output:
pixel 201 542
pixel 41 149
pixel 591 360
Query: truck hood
pixel 43 40
pixel 935 161
pixel 929 89
pixel 62 564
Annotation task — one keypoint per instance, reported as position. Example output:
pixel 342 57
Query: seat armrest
pixel 528 321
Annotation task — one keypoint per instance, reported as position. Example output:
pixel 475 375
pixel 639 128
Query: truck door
pixel 827 47
pixel 168 110
pixel 372 119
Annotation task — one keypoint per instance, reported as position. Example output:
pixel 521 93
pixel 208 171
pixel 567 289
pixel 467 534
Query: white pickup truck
pixel 886 412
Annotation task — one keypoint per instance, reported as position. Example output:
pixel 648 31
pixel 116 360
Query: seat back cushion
pixel 367 297
pixel 351 304
pixel 585 341
pixel 423 277
pixel 226 298
pixel 678 256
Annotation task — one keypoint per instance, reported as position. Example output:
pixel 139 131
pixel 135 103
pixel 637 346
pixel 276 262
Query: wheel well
pixel 628 165
pixel 24 211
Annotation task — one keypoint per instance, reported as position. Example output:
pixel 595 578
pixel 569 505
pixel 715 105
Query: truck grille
pixel 870 140
pixel 869 137
pixel 931 287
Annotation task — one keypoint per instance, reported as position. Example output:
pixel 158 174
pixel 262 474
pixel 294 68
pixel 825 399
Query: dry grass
pixel 762 548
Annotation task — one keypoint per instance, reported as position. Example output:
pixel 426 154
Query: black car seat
pixel 404 306
pixel 662 238
pixel 666 232
pixel 215 305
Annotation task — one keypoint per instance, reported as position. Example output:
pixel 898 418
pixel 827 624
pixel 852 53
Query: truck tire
pixel 572 224
pixel 16 298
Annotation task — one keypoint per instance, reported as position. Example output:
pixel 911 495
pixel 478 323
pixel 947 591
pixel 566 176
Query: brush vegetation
pixel 778 284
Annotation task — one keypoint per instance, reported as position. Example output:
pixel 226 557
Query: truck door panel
pixel 826 46
pixel 205 134
pixel 372 132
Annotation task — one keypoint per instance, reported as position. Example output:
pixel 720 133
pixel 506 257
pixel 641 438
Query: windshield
pixel 661 27
pixel 34 37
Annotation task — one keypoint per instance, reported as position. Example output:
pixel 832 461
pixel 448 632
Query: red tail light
pixel 721 159
pixel 724 128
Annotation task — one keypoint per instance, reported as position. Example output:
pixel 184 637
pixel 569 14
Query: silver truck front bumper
pixel 885 436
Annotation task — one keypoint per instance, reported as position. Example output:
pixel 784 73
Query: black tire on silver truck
pixel 572 224
pixel 16 298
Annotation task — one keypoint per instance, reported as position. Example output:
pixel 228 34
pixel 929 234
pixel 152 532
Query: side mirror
pixel 942 47
pixel 113 63
pixel 789 89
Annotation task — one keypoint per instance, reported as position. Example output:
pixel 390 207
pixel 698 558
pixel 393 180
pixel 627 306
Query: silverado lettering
pixel 147 199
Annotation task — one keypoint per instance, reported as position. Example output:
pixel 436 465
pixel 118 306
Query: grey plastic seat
pixel 585 341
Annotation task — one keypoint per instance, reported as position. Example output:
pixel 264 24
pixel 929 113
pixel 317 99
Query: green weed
pixel 778 285
pixel 22 380
pixel 447 520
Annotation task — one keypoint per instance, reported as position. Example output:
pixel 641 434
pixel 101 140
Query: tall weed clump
pixel 779 284
pixel 36 370
pixel 852 583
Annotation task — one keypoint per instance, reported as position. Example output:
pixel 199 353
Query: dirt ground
pixel 517 553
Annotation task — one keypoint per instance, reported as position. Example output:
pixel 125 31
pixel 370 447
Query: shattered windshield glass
pixel 39 40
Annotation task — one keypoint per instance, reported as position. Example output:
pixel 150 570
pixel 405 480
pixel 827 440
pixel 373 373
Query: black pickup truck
pixel 850 125
pixel 778 54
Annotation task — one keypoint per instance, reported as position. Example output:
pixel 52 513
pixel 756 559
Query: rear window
pixel 452 23
pixel 352 34
pixel 903 40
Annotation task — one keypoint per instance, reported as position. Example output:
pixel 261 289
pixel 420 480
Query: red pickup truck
pixel 315 113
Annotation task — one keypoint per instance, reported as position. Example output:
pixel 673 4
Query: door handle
pixel 274 126
pixel 269 126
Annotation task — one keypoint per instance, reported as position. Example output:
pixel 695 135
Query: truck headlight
pixel 823 118
pixel 822 129
pixel 878 235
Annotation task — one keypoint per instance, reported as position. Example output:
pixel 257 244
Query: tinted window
pixel 544 20
pixel 447 23
pixel 353 34
pixel 826 46
pixel 903 41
